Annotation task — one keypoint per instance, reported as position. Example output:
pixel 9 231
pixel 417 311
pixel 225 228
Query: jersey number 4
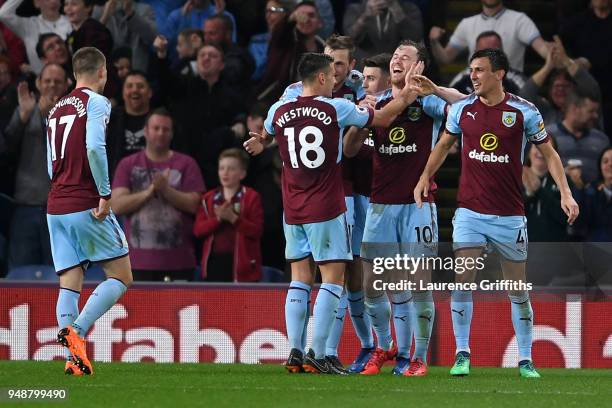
pixel 67 120
pixel 305 147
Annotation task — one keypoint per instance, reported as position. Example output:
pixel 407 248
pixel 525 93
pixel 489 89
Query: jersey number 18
pixel 305 147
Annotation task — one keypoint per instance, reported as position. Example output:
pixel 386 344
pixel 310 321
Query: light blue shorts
pixel 78 238
pixel 506 234
pixel 361 209
pixel 327 241
pixel 392 229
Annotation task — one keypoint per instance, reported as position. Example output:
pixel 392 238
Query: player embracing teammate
pixel 308 130
pixel 393 223
pixel 401 216
pixel 494 127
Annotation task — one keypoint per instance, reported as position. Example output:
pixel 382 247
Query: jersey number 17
pixel 67 120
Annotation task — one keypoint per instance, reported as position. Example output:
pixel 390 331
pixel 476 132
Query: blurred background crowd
pixel 189 79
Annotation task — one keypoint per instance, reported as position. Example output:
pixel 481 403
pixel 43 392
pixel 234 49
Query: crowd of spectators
pixel 188 80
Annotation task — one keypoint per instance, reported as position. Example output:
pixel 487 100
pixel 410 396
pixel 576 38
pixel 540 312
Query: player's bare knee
pixel 302 271
pixel 119 269
pixel 72 279
pixel 333 272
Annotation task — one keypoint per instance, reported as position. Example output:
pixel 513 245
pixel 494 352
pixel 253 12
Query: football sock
pixel 324 314
pixel 102 298
pixel 424 315
pixel 67 310
pixel 331 346
pixel 379 312
pixel 522 320
pixel 461 312
pixel 361 321
pixel 296 312
pixel 402 321
pixel 306 320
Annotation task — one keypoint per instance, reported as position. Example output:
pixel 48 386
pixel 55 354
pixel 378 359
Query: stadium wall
pixel 245 324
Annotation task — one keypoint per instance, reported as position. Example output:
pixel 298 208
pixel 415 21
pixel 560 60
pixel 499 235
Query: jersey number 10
pixel 67 120
pixel 305 147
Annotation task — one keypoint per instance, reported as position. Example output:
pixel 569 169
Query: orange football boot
pixel 68 337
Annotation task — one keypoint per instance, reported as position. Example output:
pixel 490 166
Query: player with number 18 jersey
pixel 309 134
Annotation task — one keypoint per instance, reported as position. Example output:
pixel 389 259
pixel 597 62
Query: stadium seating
pixel 270 274
pixel 94 273
pixel 32 272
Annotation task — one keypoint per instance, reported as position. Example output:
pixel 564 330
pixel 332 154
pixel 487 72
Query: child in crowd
pixel 230 221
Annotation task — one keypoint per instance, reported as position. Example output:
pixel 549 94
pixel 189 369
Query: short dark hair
pixel 188 32
pixel 497 58
pixel 228 24
pixel 306 3
pixel 215 46
pixel 160 112
pixel 341 42
pixel 378 61
pixel 121 52
pixel 577 98
pixel 136 72
pixel 53 64
pixel 87 60
pixel 422 54
pixel 40 51
pixel 312 63
pixel 489 33
pixel 238 154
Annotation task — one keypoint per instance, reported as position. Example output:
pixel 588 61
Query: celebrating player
pixel 82 227
pixel 376 80
pixel 394 225
pixel 494 126
pixel 341 49
pixel 308 130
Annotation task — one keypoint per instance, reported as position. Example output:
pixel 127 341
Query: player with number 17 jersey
pixel 77 165
pixel 309 133
pixel 73 187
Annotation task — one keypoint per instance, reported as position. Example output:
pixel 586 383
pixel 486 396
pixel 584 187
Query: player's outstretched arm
pixel 436 158
pixel 257 143
pixel 385 116
pixel 424 86
pixel 353 140
pixel 568 204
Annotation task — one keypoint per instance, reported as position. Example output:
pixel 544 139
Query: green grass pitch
pixel 236 385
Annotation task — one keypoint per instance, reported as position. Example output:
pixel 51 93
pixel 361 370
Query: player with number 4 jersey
pixel 494 127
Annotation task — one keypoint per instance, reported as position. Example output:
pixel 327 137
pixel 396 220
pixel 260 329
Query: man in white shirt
pixel 516 28
pixel 30 28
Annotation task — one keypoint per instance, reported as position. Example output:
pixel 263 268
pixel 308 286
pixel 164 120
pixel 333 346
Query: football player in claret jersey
pixel 494 127
pixel 309 130
pixel 394 225
pixel 347 85
pixel 82 227
pixel 376 80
